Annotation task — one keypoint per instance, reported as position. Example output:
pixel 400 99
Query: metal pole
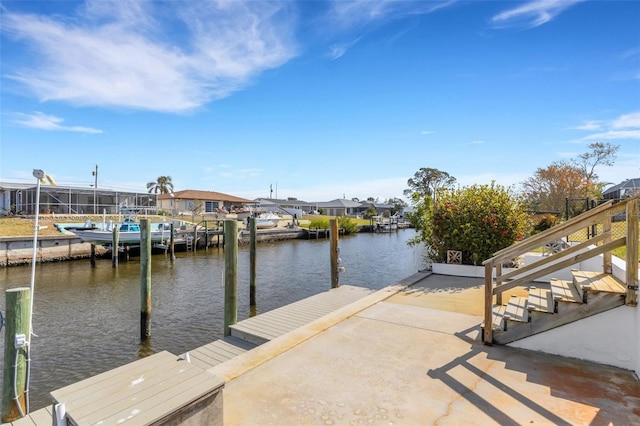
pixel 33 258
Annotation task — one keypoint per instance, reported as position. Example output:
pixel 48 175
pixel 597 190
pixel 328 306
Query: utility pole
pixel 95 188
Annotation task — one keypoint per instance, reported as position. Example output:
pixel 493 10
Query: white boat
pixel 267 220
pixel 128 232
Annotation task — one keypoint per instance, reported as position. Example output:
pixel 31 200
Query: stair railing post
pixel 632 253
pixel 488 304
pixel 607 262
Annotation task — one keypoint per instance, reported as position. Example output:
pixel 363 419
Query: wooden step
pixel 498 317
pixel 517 309
pixel 540 300
pixel 597 282
pixel 565 291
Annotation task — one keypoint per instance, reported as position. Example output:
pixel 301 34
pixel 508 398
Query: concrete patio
pixel 412 356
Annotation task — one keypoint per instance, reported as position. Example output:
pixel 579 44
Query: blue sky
pixel 315 99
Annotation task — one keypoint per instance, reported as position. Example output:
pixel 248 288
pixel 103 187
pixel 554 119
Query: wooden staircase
pixel 540 306
pixel 589 293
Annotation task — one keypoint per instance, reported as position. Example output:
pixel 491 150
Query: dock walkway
pixel 252 332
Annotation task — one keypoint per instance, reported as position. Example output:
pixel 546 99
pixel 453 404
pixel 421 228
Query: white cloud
pixel 627 121
pixel 476 143
pixel 117 54
pixel 427 132
pixel 614 134
pixel 589 125
pixel 338 50
pixel 39 120
pixel 626 126
pixel 533 13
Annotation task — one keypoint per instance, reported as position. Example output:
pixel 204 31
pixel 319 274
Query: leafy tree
pixel 422 190
pixel 356 199
pixel 548 188
pixel 427 181
pixel 371 199
pixel 478 220
pixel 371 211
pixel 600 154
pixel 163 185
pixel 397 203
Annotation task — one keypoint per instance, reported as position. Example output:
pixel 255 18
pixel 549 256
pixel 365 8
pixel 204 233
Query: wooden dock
pixel 262 328
pixel 109 397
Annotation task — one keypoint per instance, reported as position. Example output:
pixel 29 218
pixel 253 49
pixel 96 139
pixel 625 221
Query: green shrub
pixel 544 222
pixel 319 224
pixel 478 220
pixel 349 225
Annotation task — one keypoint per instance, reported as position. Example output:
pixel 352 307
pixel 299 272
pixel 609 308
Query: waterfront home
pixel 190 201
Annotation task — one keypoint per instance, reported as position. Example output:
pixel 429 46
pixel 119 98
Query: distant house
pixel 20 198
pixel 339 207
pixel 292 206
pixel 379 207
pixel 626 189
pixel 190 201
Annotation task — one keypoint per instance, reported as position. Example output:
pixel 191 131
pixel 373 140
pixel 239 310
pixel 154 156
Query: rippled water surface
pixel 87 320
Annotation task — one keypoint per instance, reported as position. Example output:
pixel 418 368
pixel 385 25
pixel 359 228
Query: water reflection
pixel 88 319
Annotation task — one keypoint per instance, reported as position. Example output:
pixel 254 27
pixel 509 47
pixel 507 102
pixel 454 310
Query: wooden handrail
pixel 588 218
pixel 573 249
pixel 562 264
pixel 573 255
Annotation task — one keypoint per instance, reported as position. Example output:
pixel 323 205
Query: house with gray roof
pixel 339 207
pixel 626 189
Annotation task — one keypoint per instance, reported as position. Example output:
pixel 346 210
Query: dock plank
pixel 139 392
pixel 269 325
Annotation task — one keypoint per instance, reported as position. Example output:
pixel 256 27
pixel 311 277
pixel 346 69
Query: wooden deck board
pixel 517 309
pixel 565 290
pixel 598 281
pixel 498 317
pixel 540 300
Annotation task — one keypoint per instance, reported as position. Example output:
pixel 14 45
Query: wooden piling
pixel 145 280
pixel 172 247
pixel 253 231
pixel 92 255
pixel 114 247
pixel 333 246
pixel 230 274
pixel 17 322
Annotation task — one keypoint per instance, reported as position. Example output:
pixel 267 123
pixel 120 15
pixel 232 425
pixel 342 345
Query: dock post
pixel 172 248
pixel 253 230
pixel 206 235
pixel 92 256
pixel 333 246
pixel 17 333
pixel 230 275
pixel 145 280
pixel 114 247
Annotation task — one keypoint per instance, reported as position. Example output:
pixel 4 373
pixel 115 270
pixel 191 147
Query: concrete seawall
pixel 18 250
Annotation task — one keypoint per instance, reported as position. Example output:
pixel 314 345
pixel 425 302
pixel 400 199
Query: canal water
pixel 87 320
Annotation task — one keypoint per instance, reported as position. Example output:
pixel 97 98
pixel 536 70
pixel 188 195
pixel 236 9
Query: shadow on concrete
pixel 614 392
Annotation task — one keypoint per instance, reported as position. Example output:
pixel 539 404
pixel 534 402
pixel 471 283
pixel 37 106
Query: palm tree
pixel 163 185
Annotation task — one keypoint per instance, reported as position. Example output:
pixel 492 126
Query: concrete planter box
pixel 462 270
